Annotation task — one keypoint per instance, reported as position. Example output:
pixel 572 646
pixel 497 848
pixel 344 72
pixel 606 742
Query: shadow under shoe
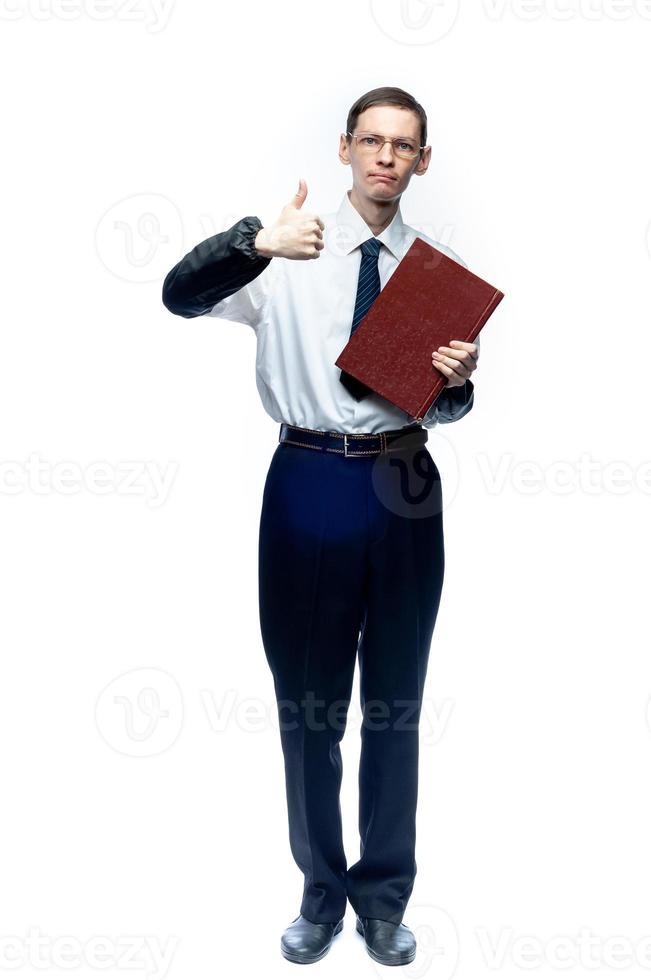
pixel 387 942
pixel 304 941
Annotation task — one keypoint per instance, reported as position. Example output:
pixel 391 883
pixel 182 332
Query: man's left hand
pixel 456 362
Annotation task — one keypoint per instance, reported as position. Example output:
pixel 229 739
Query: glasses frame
pixel 396 139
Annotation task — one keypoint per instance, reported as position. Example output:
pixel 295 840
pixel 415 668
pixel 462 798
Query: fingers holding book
pixel 456 363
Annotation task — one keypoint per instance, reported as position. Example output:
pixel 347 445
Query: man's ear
pixel 424 161
pixel 343 150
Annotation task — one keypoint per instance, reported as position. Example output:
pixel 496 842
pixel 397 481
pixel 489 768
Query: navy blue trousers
pixel 351 564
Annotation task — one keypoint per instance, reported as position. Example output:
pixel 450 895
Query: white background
pixel 141 797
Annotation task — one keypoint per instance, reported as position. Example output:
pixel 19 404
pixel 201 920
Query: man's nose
pixel 386 154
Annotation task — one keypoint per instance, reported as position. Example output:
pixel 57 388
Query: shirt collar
pixel 353 230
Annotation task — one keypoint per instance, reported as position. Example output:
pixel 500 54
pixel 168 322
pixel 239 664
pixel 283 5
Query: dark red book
pixel 428 301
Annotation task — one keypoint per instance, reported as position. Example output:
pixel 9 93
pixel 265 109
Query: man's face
pixel 383 175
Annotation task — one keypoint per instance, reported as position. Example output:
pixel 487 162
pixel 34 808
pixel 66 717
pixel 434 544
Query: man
pixel 350 559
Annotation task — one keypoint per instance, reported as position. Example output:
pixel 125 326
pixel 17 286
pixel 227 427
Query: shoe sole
pixel 310 957
pixel 399 960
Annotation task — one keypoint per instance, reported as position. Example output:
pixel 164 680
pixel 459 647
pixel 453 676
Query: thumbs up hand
pixel 296 234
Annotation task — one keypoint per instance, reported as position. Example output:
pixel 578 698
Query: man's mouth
pixel 379 176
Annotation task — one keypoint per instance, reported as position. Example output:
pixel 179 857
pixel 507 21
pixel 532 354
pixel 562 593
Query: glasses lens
pixel 368 142
pixel 405 148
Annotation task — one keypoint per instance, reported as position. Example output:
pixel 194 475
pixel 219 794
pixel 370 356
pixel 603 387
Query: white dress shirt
pixel 302 312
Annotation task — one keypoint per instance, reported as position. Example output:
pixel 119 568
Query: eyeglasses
pixel 372 142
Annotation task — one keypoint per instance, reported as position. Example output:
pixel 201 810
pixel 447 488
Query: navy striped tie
pixel 368 289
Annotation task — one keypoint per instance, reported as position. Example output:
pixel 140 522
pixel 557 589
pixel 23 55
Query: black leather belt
pixel 354 444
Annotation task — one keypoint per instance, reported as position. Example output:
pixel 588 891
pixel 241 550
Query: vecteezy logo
pixel 437 943
pixel 415 21
pixel 140 237
pixel 140 713
pixel 409 484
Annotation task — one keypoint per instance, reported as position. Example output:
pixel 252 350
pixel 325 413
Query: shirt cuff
pixel 454 403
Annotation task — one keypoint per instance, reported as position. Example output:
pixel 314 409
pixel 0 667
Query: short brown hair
pixel 387 95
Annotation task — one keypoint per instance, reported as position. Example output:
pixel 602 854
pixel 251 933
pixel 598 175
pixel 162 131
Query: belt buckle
pixel 345 443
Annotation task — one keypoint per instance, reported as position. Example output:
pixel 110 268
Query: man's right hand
pixel 296 234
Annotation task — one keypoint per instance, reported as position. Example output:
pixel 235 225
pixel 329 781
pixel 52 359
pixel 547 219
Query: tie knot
pixel 371 247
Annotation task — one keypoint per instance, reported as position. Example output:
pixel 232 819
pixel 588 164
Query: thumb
pixel 300 195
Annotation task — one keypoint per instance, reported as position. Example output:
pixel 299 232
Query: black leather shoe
pixel 304 941
pixel 386 942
